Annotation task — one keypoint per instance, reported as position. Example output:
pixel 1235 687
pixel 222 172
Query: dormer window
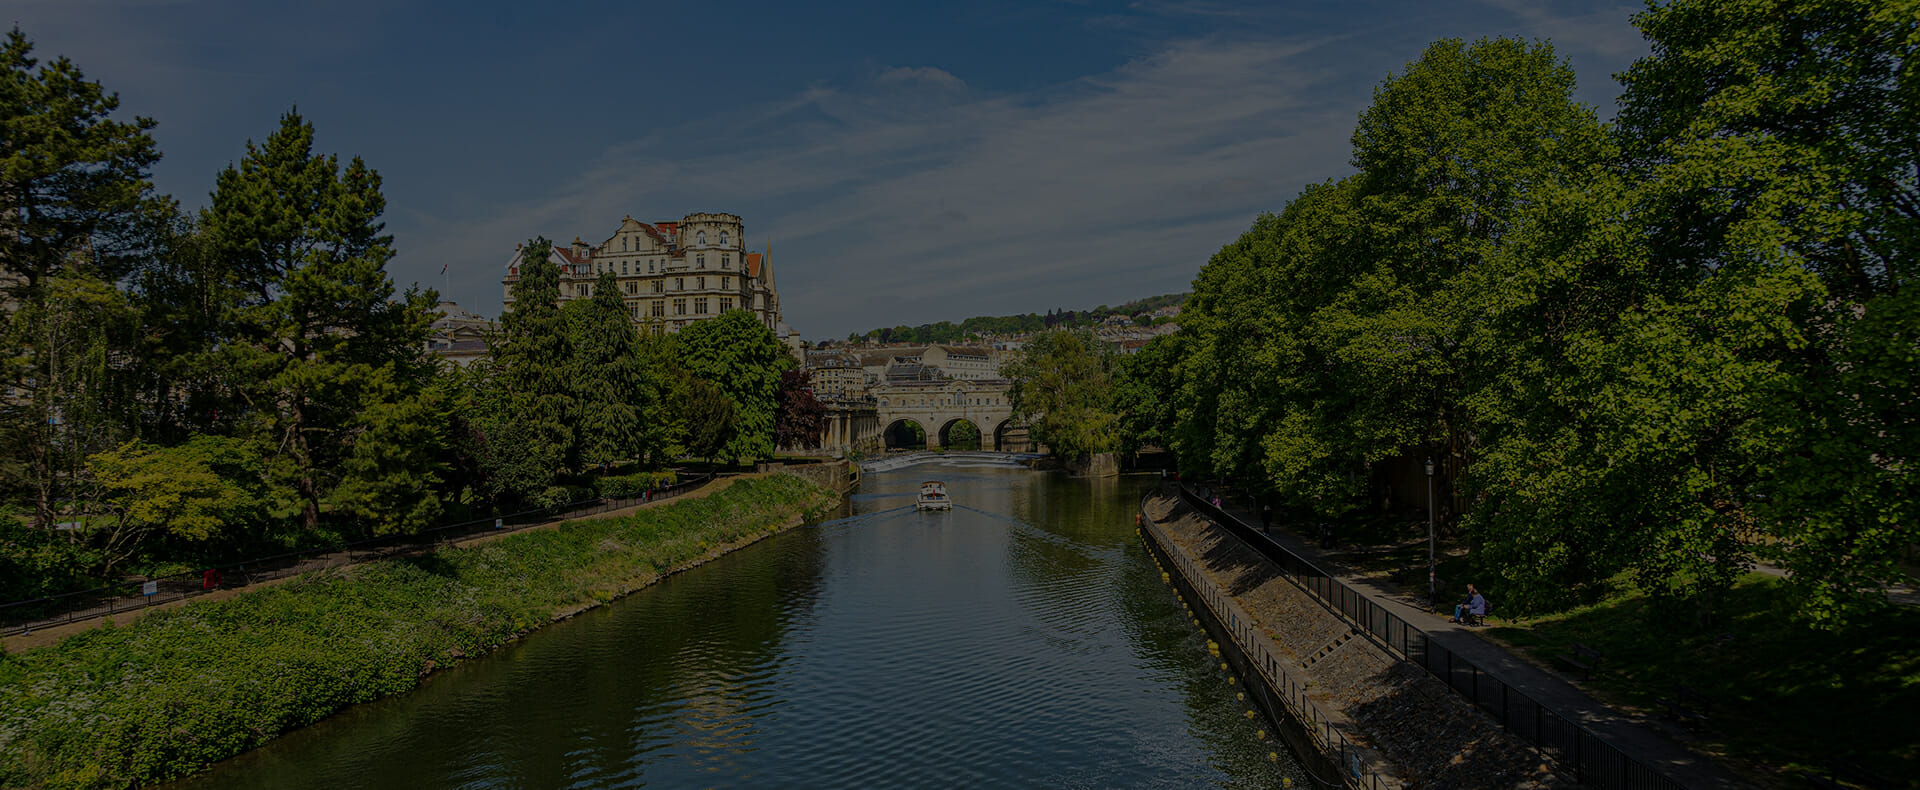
pixel 723 238
pixel 700 238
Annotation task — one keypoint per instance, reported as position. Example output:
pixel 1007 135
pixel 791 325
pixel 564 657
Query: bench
pixel 1687 706
pixel 1582 658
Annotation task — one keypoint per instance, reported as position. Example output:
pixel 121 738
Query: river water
pixel 1024 639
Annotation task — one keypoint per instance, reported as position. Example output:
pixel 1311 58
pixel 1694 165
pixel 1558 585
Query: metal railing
pixel 1593 761
pixel 1257 654
pixel 25 616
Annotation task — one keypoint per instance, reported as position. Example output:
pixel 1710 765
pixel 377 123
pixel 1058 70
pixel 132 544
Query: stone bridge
pixel 937 407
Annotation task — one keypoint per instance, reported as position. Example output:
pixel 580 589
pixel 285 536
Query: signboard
pixel 499 523
pixel 149 588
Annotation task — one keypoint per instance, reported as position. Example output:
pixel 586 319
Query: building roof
pixel 753 264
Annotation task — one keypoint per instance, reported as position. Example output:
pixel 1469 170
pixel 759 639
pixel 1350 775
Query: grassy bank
pixel 178 690
pixel 1786 700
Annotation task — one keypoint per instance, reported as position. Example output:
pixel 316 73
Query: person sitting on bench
pixel 1474 605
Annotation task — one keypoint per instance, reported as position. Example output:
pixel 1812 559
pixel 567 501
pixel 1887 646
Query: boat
pixel 933 496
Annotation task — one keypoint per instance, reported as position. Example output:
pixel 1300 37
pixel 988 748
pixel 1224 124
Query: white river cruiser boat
pixel 933 496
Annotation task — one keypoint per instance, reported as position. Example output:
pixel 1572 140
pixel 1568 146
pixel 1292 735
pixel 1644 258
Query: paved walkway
pixel 1631 734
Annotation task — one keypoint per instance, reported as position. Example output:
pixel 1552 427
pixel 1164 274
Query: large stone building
pixel 671 274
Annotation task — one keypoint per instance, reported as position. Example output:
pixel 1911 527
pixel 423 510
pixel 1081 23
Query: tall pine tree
pixel 325 353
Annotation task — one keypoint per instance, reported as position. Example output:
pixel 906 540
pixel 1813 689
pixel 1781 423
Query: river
pixel 1023 639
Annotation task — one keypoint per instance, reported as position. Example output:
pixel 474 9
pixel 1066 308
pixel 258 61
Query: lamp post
pixel 1430 579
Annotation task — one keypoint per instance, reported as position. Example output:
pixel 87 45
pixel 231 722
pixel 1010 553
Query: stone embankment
pixel 1412 728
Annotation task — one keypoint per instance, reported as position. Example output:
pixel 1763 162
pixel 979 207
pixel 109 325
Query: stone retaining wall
pixel 1408 728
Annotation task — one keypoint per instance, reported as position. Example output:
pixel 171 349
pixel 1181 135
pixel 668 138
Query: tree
pixel 199 491
pixel 526 403
pixel 1062 387
pixel 1144 386
pixel 802 416
pixel 318 335
pixel 78 206
pixel 740 356
pixel 609 383
pixel 1777 149
pixel 712 420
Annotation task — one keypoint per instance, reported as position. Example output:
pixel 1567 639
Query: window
pixel 659 285
pixel 632 288
pixel 649 266
pixel 623 267
pixel 700 238
pixel 700 283
pixel 726 282
pixel 700 261
pixel 726 261
pixel 635 310
pixel 723 238
pixel 583 290
pixel 725 305
pixel 679 283
pixel 659 308
pixel 623 244
pixel 700 306
pixel 679 307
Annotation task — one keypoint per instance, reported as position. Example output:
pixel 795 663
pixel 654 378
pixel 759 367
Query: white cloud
pixel 909 199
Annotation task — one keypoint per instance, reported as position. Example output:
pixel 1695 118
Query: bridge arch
pixel 904 434
pixel 952 436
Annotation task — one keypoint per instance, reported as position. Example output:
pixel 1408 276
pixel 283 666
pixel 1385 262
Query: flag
pixel 443 268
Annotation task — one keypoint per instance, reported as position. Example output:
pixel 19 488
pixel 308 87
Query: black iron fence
pixel 1284 695
pixel 1592 761
pixel 20 617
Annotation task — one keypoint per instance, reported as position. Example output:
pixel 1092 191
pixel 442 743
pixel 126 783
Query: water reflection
pixel 1023 639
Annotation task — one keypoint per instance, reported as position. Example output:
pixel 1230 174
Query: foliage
pixel 964 435
pixel 1144 388
pixel 198 491
pixel 609 380
pixel 741 357
pixel 1062 387
pixel 180 689
pixel 983 326
pixel 320 342
pixel 712 420
pixel 802 416
pixel 525 402
pixel 79 211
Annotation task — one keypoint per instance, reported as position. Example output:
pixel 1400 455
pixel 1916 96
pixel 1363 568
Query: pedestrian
pixel 1475 605
pixel 1266 515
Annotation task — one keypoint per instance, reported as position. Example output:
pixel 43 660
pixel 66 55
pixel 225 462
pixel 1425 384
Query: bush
pixel 555 496
pixel 624 486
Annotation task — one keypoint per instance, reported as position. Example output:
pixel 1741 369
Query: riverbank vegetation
pixel 1648 353
pixel 186 389
pixel 177 690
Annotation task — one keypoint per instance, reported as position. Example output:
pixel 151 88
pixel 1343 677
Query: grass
pixel 1787 700
pixel 180 689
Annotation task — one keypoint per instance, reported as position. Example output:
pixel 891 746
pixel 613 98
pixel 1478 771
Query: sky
pixel 904 162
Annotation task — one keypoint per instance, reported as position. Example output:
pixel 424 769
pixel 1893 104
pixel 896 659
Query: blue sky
pixel 908 162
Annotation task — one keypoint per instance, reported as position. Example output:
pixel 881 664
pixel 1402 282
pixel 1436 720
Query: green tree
pixel 1776 145
pixel 318 335
pixel 713 421
pixel 525 402
pixel 78 207
pixel 742 358
pixel 1061 386
pixel 201 491
pixel 1144 387
pixel 609 384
